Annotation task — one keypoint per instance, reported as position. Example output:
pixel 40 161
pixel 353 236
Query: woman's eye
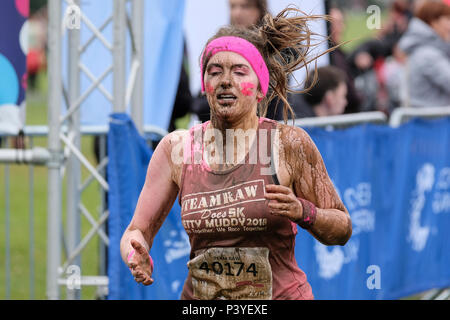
pixel 240 71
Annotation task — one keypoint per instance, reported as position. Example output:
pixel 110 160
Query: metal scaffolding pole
pixel 73 167
pixel 138 35
pixel 66 128
pixel 119 56
pixel 54 199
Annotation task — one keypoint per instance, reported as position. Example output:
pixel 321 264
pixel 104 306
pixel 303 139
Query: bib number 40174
pixel 229 269
pixel 232 273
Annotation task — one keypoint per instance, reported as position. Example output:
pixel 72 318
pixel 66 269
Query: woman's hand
pixel 157 196
pixel 140 265
pixel 283 202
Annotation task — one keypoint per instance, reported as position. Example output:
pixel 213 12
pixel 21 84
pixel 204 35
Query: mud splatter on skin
pixel 247 88
pixel 177 140
pixel 154 221
pixel 303 169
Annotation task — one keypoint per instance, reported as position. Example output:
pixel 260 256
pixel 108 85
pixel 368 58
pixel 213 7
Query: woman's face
pixel 232 86
pixel 442 27
pixel 243 13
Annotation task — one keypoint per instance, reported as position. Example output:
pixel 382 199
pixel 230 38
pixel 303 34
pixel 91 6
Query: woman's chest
pixel 231 204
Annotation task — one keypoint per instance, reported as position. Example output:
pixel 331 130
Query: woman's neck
pixel 245 123
pixel 241 137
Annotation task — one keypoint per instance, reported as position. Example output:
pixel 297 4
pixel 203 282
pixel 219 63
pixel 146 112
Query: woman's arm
pixel 311 182
pixel 155 201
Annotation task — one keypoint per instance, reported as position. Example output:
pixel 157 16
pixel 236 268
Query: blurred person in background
pixel 183 100
pixel 247 13
pixel 365 56
pixel 367 60
pixel 394 78
pixel 328 97
pixel 339 59
pixel 427 44
pixel 37 45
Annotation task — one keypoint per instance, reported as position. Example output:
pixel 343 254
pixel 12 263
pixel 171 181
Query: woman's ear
pixel 259 95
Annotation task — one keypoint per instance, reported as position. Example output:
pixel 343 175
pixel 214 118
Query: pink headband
pixel 245 49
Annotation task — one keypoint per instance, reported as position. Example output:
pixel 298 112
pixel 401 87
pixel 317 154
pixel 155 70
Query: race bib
pixel 232 274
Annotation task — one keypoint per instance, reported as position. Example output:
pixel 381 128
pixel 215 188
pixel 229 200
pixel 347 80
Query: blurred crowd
pixel 405 64
pixel 37 45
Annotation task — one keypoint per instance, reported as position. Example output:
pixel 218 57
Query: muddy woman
pixel 244 182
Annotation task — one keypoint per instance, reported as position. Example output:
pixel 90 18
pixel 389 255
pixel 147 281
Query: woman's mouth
pixel 226 99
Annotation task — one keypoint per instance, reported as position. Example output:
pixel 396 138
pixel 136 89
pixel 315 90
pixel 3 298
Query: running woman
pixel 244 182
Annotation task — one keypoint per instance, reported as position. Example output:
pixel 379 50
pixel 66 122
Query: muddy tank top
pixel 238 249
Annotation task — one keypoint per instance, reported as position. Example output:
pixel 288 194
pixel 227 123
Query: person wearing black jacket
pixel 183 100
pixel 339 59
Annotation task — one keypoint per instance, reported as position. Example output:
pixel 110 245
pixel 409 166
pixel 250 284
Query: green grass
pixel 356 29
pixel 19 190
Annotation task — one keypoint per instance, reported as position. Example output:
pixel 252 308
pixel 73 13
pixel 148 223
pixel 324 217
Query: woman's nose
pixel 226 82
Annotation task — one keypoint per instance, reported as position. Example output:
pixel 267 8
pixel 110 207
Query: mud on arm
pixel 311 182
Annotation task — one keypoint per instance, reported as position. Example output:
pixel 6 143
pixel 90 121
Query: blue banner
pixel 394 182
pixel 164 55
pixel 396 185
pixel 129 156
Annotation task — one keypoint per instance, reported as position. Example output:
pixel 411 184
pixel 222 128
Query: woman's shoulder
pixel 174 142
pixel 173 147
pixel 292 137
pixel 295 148
pixel 176 135
pixel 286 133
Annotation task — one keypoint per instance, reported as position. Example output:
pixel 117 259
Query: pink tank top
pixel 238 249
